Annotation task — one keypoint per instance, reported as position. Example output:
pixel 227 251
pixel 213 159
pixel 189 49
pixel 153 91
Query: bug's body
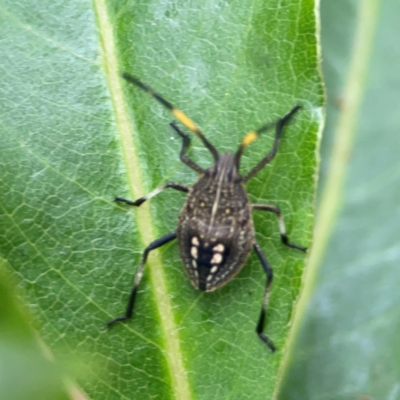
pixel 215 231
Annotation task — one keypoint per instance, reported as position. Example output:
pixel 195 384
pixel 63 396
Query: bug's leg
pixel 282 229
pixel 254 134
pixel 184 119
pixel 185 145
pixel 261 320
pixel 155 192
pixel 153 245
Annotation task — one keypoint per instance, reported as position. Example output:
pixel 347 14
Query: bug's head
pixel 227 166
pixel 225 170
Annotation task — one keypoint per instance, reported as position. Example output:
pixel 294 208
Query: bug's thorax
pixel 215 226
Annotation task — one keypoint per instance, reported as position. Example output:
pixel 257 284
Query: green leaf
pixel 349 346
pixel 21 357
pixel 74 136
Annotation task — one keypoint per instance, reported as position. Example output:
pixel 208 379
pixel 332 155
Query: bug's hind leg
pixel 152 246
pixel 261 320
pixel 282 229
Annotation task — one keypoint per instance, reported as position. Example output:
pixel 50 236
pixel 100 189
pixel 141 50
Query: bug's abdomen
pixel 215 235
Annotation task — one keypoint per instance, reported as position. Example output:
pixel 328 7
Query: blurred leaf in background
pixel 73 136
pixel 349 344
pixel 25 373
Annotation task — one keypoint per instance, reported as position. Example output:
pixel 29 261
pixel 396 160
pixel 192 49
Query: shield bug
pixel 215 230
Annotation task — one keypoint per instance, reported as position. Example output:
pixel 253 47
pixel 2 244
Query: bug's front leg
pixel 152 246
pixel 261 320
pixel 155 192
pixel 185 146
pixel 282 229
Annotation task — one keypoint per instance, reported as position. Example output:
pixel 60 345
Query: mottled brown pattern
pixel 217 211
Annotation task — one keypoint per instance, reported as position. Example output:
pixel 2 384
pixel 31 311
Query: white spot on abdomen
pixel 194 253
pixel 216 259
pixel 219 247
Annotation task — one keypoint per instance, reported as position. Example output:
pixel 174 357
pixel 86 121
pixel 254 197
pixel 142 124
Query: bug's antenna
pixel 252 135
pixel 185 120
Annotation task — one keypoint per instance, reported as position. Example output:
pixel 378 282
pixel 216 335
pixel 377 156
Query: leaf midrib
pixel 173 353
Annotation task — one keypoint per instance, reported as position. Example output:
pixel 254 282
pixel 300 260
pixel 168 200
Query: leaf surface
pixel 25 372
pixel 74 136
pixel 348 347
